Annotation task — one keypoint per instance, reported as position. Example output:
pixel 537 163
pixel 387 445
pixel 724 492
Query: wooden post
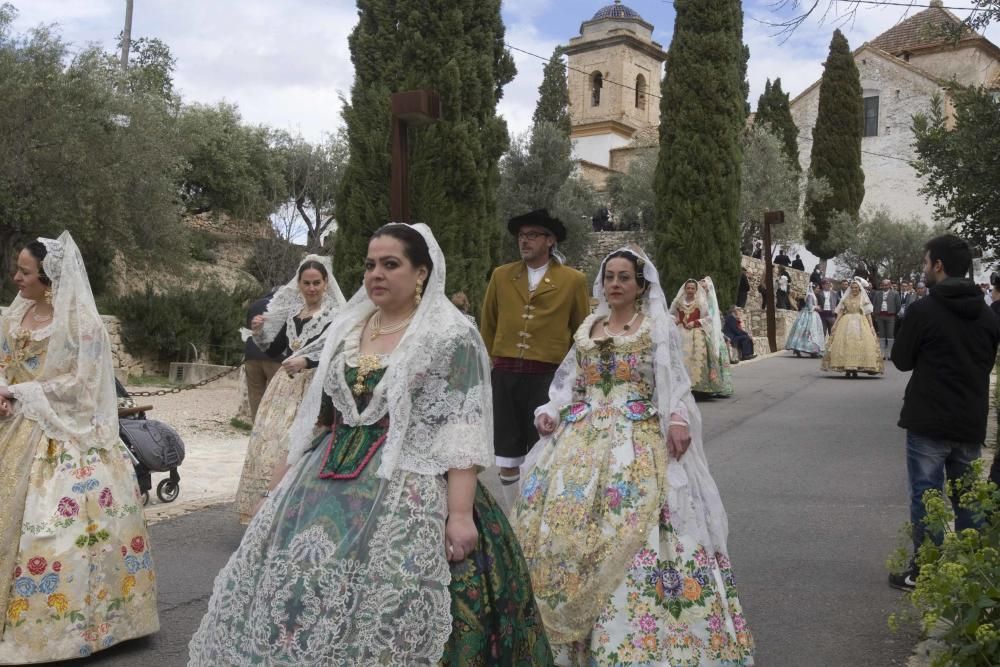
pixel 412 107
pixel 770 218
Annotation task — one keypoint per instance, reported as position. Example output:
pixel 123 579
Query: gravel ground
pixel 214 450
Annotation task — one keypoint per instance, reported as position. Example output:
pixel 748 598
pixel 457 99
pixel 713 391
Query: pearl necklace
pixel 38 318
pixel 379 330
pixel 628 325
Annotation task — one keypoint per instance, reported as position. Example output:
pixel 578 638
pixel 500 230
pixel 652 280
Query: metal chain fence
pixel 185 387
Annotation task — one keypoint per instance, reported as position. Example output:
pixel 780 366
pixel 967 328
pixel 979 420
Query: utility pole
pixel 127 34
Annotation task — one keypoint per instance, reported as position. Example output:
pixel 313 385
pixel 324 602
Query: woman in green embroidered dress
pixel 378 545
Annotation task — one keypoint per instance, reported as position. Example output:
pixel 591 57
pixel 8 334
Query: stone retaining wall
pixel 755 318
pixel 125 364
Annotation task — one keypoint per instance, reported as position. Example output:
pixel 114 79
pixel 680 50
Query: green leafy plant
pixel 957 597
pixel 238 423
pixel 165 324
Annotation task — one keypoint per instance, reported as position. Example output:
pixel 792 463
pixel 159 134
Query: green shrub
pixel 202 247
pixel 164 325
pixel 958 590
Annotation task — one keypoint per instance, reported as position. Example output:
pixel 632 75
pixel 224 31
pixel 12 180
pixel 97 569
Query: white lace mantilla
pixel 73 396
pixel 693 498
pixel 436 388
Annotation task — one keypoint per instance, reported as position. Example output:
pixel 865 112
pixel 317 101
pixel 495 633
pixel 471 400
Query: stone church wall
pixel 902 92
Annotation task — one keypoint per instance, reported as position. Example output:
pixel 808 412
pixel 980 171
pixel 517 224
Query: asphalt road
pixel 812 470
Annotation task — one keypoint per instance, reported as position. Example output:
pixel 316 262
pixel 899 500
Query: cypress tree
pixel 553 95
pixel 774 111
pixel 702 116
pixel 836 147
pixel 455 47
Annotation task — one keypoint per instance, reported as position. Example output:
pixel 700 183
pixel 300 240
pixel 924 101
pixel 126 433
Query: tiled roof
pixel 921 30
pixel 616 11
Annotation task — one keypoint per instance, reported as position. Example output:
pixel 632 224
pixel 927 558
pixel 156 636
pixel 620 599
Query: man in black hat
pixel 531 311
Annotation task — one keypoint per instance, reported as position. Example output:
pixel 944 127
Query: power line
pixel 575 69
pixel 876 154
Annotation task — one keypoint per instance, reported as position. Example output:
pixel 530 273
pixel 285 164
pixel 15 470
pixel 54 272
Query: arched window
pixel 596 83
pixel 640 92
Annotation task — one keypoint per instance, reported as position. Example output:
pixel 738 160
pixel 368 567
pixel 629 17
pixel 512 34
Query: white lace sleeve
pixel 680 383
pixel 561 389
pixel 71 400
pixel 450 422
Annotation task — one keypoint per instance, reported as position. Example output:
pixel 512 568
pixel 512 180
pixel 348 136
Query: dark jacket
pixel 949 341
pixel 731 328
pixel 834 300
pixel 250 350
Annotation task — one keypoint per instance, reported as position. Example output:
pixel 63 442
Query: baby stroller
pixel 155 447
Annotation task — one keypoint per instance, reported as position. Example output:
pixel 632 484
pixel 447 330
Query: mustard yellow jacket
pixel 535 325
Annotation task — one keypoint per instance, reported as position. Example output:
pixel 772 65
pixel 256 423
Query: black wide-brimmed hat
pixel 539 218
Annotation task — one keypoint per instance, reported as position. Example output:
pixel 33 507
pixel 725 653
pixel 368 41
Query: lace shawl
pixel 73 397
pixel 700 300
pixel 692 495
pixel 288 302
pixel 866 304
pixel 436 389
pixel 715 319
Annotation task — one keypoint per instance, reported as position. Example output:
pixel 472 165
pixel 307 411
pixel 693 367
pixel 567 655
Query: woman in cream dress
pixel 76 570
pixel 853 344
pixel 291 329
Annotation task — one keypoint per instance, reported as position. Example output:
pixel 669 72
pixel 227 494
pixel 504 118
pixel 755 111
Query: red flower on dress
pixel 138 544
pixel 17 571
pixel 105 500
pixel 68 507
pixel 56 566
pixel 37 565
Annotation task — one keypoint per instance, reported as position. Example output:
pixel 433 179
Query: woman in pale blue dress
pixel 806 336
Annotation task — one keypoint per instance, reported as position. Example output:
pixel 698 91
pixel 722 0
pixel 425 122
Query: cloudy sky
pixel 286 62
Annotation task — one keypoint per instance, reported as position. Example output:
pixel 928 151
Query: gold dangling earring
pixel 48 296
pixel 419 291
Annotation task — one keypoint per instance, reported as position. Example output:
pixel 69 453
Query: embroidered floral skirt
pixel 352 571
pixel 853 346
pixel 269 438
pixel 83 577
pixel 615 583
pixel 807 333
pixel 704 365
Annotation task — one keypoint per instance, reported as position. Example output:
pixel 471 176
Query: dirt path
pixel 214 450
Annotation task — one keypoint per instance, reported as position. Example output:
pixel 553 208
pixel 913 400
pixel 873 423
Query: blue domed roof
pixel 616 11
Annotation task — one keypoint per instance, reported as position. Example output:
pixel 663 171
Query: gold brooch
pixel 367 364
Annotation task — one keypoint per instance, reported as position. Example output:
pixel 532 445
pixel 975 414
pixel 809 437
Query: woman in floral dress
pixel 76 574
pixel 701 356
pixel 378 545
pixel 853 344
pixel 292 329
pixel 620 521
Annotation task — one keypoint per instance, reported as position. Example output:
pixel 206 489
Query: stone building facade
pixel 901 71
pixel 613 68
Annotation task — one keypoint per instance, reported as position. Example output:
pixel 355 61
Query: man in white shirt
pixel 828 300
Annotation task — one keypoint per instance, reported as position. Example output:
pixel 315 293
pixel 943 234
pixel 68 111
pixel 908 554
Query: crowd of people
pixel 370 538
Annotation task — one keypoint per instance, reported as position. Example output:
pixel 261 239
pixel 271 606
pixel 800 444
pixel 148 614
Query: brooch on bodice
pixel 367 364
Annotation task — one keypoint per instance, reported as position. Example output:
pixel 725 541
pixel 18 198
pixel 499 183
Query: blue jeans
pixel 928 461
